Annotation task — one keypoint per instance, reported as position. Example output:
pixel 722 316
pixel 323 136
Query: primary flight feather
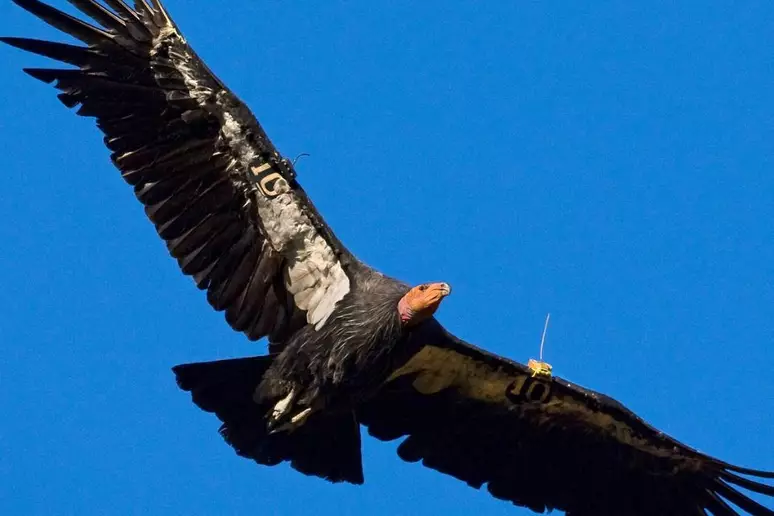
pixel 349 346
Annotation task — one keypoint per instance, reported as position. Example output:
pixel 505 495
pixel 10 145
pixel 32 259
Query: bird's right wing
pixel 543 442
pixel 220 195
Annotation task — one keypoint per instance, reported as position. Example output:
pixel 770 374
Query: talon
pixel 295 422
pixel 300 418
pixel 282 406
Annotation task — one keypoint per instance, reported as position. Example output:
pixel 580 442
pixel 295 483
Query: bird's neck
pixel 407 315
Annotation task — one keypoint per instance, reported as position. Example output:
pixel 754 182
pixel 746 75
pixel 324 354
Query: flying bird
pixel 348 346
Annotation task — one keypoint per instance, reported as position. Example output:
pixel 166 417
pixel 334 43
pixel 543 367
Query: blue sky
pixel 612 164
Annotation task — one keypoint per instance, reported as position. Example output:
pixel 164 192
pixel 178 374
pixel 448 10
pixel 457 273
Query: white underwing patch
pixel 232 131
pixel 313 276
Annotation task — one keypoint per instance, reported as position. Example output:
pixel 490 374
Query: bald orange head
pixel 421 302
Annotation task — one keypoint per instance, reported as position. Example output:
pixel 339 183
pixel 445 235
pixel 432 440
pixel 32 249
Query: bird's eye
pixel 423 288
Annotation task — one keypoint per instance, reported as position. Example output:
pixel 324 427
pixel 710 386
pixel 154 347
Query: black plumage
pixel 348 346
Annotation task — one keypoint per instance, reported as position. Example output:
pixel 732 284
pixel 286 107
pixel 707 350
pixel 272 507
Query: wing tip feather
pixel 725 487
pixel 64 22
pixel 46 75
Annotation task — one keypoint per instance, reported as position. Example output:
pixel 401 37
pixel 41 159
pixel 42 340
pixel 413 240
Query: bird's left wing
pixel 220 195
pixel 543 442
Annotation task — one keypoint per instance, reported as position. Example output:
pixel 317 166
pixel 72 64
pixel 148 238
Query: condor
pixel 348 346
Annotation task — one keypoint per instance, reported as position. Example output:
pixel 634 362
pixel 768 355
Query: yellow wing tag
pixel 539 368
pixel 271 177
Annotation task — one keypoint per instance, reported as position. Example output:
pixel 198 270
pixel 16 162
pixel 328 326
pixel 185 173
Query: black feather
pixel 195 238
pixel 70 54
pixel 73 26
pixel 740 500
pixel 210 252
pixel 124 11
pixel 105 18
pixel 231 275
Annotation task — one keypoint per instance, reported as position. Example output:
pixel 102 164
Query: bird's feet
pixel 294 423
pixel 282 407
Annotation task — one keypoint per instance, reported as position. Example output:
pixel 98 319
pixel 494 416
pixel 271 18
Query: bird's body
pixel 348 345
pixel 346 360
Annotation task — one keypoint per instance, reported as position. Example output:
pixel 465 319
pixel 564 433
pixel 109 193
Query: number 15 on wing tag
pixel 269 182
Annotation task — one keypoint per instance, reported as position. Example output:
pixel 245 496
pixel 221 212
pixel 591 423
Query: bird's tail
pixel 326 445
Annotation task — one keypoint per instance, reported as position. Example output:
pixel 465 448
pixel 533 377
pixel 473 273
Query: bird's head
pixel 421 302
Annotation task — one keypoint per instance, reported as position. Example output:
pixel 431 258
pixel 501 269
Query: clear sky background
pixel 612 164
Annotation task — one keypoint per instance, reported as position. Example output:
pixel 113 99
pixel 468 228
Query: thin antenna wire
pixel 302 155
pixel 543 338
